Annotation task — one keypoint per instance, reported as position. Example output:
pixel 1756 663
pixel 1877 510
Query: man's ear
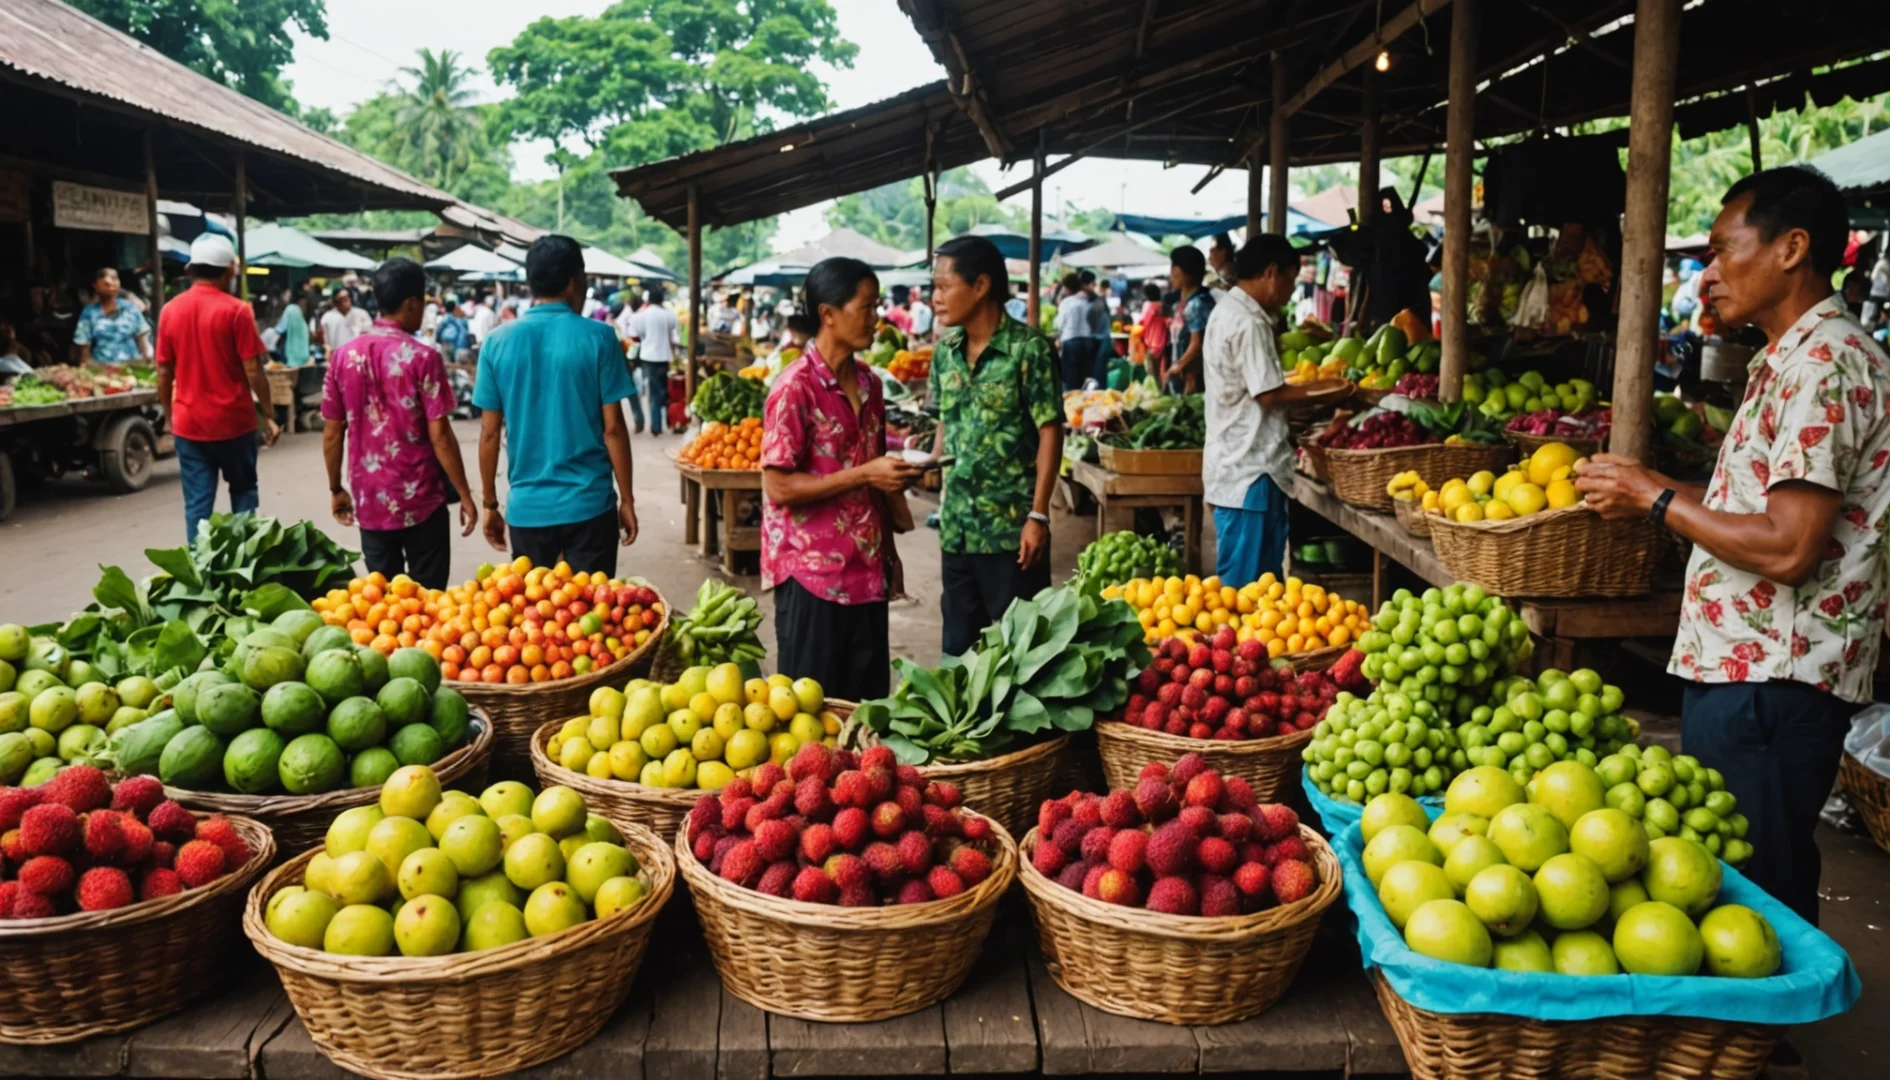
pixel 1794 249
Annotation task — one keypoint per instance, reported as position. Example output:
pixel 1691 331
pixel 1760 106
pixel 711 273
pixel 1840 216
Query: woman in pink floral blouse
pixel 826 530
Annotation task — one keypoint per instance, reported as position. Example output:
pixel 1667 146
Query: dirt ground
pixel 51 548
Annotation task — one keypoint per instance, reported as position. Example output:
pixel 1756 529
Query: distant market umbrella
pixel 289 248
pixel 475 263
pixel 1116 251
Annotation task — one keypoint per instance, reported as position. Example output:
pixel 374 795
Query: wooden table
pixel 1561 624
pixel 1008 1018
pixel 1116 491
pixel 731 486
pixel 283 382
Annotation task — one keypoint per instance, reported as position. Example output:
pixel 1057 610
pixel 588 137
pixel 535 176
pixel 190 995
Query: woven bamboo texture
pixel 1175 969
pixel 1410 514
pixel 1268 765
pixel 1009 787
pixel 1315 456
pixel 844 965
pixel 301 821
pixel 1316 659
pixel 1572 551
pixel 1529 444
pixel 1870 794
pixel 1490 1046
pixel 517 711
pixel 1370 396
pixel 464 1015
pixel 1359 476
pixel 95 972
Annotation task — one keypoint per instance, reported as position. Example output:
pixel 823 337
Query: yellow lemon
pixel 1468 511
pixel 1508 480
pixel 1576 467
pixel 1455 494
pixel 1497 510
pixel 1561 494
pixel 1431 501
pixel 1562 473
pixel 1548 458
pixel 1526 499
pixel 1481 481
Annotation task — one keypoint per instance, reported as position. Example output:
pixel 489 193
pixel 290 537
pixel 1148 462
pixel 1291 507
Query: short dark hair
pixel 654 294
pixel 203 271
pixel 1151 291
pixel 1262 251
pixel 1223 241
pixel 1191 261
pixel 1087 277
pixel 103 270
pixel 975 257
pixel 551 262
pixel 1798 197
pixel 1072 281
pixel 831 283
pixel 395 281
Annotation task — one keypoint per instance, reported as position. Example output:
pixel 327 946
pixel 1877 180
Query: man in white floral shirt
pixel 1784 605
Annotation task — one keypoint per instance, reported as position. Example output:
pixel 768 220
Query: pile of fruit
pixel 1548 879
pixel 30 390
pixel 298 708
pixel 1408 486
pixel 909 365
pixel 1285 617
pixel 56 711
pixel 1545 481
pixel 720 628
pixel 1186 841
pixel 725 446
pixel 702 731
pixel 427 873
pixel 832 827
pixel 1594 424
pixel 1382 430
pixel 79 843
pixel 728 399
pixel 1116 557
pixel 1674 795
pixel 1500 397
pixel 1222 689
pixel 1414 385
pixel 1531 724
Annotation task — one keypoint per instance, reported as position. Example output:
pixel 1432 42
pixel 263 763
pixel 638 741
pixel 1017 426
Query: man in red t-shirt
pixel 209 364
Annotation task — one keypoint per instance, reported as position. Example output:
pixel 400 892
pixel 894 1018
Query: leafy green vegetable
pixel 1166 423
pixel 729 399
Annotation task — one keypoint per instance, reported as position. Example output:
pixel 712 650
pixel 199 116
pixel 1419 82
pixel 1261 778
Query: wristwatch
pixel 1658 512
pixel 1043 519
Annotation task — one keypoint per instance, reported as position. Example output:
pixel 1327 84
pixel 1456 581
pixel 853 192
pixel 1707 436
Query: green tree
pixel 241 45
pixel 894 214
pixel 435 116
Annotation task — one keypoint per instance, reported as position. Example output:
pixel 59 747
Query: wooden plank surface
pixel 291 1055
pixel 100 1056
pixel 219 1039
pixel 686 1002
pixel 910 1045
pixel 1301 1032
pixel 742 1052
pixel 988 1022
pixel 1102 483
pixel 1080 1039
pixel 1381 531
pixel 1654 615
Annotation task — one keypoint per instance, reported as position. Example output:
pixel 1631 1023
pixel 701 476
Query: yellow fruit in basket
pixel 1562 494
pixel 755 692
pixel 1508 480
pixel 603 732
pixel 1433 502
pixel 1497 510
pixel 607 701
pixel 746 749
pixel 627 760
pixel 576 754
pixel 1563 473
pixel 598 768
pixel 725 683
pixel 1548 458
pixel 783 703
pixel 1480 481
pixel 1456 493
pixel 1468 512
pixel 713 775
pixel 1576 467
pixel 1526 499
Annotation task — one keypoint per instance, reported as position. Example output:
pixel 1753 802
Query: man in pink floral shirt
pixel 388 389
pixel 1783 612
pixel 826 537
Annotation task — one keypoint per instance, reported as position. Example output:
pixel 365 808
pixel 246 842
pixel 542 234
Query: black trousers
pixel 1778 745
pixel 843 647
pixel 978 589
pixel 589 546
pixel 1077 357
pixel 424 552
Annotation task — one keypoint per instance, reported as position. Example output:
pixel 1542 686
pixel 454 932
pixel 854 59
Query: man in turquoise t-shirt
pixel 551 384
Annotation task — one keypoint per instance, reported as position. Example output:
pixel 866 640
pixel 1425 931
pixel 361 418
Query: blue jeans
pixel 1251 539
pixel 199 463
pixel 656 393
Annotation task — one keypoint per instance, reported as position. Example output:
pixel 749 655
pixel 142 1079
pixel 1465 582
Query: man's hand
pixel 1618 487
pixel 627 520
pixel 468 517
pixel 1034 544
pixel 890 474
pixel 495 529
pixel 271 431
pixel 343 507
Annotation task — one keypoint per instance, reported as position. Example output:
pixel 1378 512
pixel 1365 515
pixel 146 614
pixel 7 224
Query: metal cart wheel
pixel 129 448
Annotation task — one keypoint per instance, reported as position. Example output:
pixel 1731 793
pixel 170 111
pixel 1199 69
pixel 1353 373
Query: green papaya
pixel 138 749
pixel 1297 339
pixel 1392 344
pixel 1348 348
pixel 192 759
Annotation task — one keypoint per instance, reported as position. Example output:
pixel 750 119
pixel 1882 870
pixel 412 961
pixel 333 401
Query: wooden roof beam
pixel 1091 147
pixel 1363 51
pixel 961 80
pixel 1577 33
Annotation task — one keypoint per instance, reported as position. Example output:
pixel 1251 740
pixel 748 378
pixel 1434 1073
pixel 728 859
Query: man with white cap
pixel 211 383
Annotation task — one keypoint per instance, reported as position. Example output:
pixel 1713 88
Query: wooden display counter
pixel 1130 492
pixel 731 487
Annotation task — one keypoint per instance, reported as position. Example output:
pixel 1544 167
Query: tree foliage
pixel 894 214
pixel 241 45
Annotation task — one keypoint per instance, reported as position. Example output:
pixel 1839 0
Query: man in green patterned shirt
pixel 1001 419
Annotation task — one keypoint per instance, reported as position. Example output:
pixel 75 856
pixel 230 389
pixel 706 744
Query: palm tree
pixel 435 120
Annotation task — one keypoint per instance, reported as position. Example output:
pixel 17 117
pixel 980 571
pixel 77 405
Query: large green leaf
pixel 1068 679
pixel 175 562
pixel 1027 714
pixel 1072 718
pixel 176 646
pixel 115 590
pixel 271 600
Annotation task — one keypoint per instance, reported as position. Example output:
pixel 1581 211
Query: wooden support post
pixel 931 211
pixel 1459 155
pixel 1256 190
pixel 1277 148
pixel 1035 299
pixel 1644 225
pixel 240 206
pixel 1752 129
pixel 1368 134
pixel 691 321
pixel 151 224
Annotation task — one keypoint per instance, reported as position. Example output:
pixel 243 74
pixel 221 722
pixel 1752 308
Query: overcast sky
pixel 370 40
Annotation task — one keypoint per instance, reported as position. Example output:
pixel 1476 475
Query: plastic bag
pixel 1869 740
pixel 1532 308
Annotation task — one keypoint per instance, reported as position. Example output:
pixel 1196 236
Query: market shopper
pixel 1247 466
pixel 292 328
pixel 828 491
pixel 552 384
pixel 343 321
pixel 111 330
pixel 211 385
pixel 654 328
pixel 1001 421
pixel 1076 343
pixel 1194 303
pixel 1782 617
pixel 386 400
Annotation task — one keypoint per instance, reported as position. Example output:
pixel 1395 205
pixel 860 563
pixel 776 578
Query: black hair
pixel 1072 281
pixel 1151 291
pixel 1087 277
pixel 831 283
pixel 204 272
pixel 975 257
pixel 1193 264
pixel 1262 251
pixel 103 270
pixel 731 299
pixel 901 295
pixel 551 262
pixel 654 294
pixel 395 281
pixel 1223 242
pixel 1798 197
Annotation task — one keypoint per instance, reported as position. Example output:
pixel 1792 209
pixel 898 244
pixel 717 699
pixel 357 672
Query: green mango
pixel 1348 348
pixel 1297 340
pixel 1392 344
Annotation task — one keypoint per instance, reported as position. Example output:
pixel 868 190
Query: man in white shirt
pixel 483 319
pixel 343 322
pixel 1247 464
pixel 655 330
pixel 921 317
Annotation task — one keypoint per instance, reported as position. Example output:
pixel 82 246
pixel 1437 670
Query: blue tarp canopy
pixel 1016 245
pixel 1297 224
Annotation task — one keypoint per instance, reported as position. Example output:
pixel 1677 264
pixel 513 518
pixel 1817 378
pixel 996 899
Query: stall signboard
pixel 80 206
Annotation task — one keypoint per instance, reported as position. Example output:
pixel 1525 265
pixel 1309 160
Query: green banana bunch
pixel 720 629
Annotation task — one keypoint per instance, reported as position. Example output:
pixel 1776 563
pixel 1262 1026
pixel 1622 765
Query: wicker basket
pixel 1009 787
pixel 75 976
pixel 1359 476
pixel 1315 456
pixel 517 711
pixel 1870 794
pixel 844 965
pixel 1317 659
pixel 1529 444
pixel 467 1014
pixel 1369 396
pixel 1410 514
pixel 1135 962
pixel 1268 765
pixel 301 821
pixel 1568 552
pixel 1491 1046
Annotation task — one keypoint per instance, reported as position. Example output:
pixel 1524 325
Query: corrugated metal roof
pixel 47 40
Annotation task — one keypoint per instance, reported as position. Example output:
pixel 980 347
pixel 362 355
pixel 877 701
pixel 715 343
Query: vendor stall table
pixel 700 485
pixel 116 437
pixel 1560 623
pixel 1008 1018
pixel 284 382
pixel 1114 491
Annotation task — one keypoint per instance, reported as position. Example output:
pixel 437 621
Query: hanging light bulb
pixel 1383 62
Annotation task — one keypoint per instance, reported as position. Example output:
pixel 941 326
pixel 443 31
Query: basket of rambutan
pixel 843 888
pixel 1223 700
pixel 1186 901
pixel 117 905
